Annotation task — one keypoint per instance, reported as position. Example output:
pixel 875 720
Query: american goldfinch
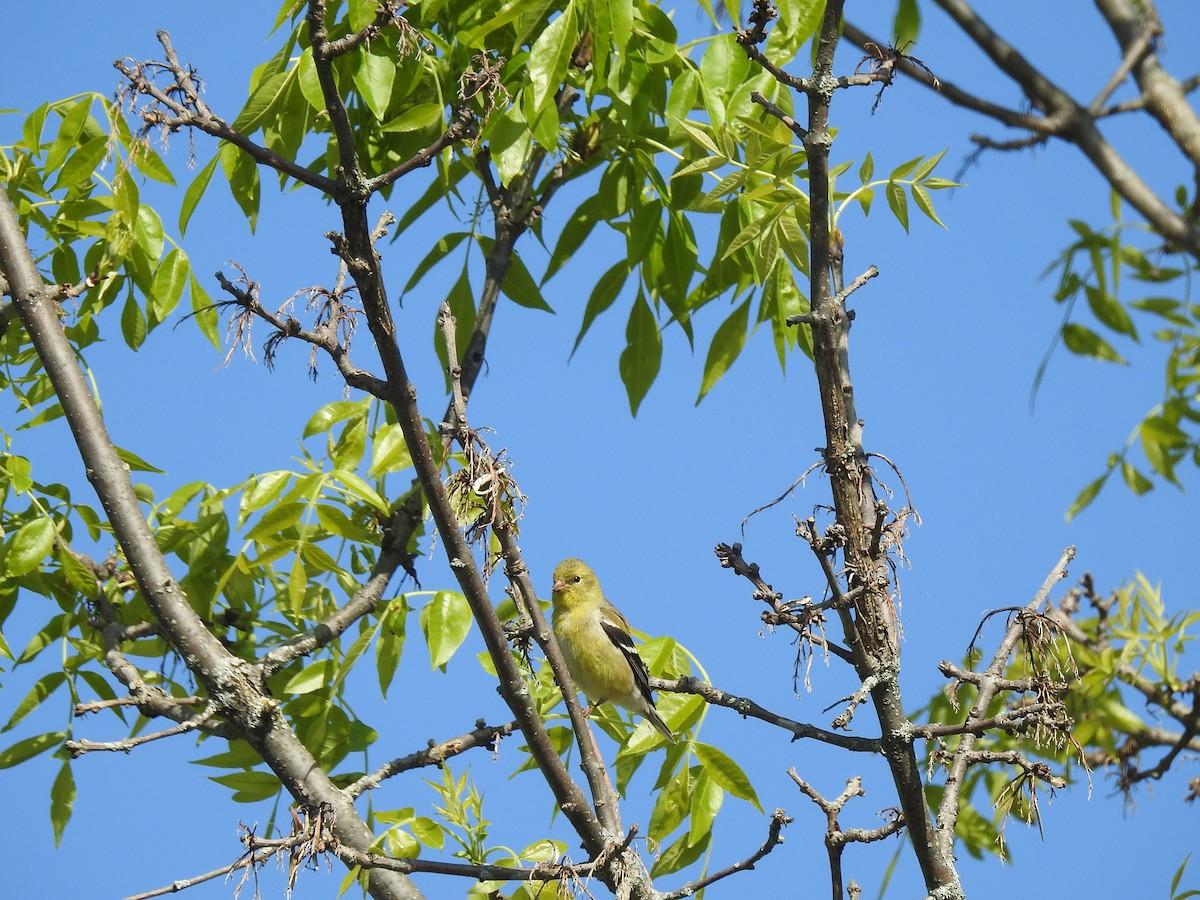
pixel 596 643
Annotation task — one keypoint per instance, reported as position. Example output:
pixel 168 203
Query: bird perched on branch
pixel 597 645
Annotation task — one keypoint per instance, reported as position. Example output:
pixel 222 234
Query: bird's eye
pixel 577 579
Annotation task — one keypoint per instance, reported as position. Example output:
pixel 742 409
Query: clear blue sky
pixel 945 348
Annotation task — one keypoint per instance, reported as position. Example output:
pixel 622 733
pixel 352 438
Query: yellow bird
pixel 597 645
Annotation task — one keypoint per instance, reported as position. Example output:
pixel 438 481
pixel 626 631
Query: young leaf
pixel 925 202
pixel 898 201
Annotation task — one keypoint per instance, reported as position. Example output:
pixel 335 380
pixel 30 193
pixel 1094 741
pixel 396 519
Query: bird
pixel 597 645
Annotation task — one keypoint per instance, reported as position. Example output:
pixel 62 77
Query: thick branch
pixel 1076 125
pixel 1136 28
pixel 871 629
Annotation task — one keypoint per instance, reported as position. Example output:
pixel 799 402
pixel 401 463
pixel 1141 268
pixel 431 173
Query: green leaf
pixel 169 280
pixel 867 169
pixel 439 251
pixel 20 472
pixel 1081 340
pixel 671 807
pixel 550 56
pixel 905 168
pixel 135 462
pixel 679 855
pixel 1087 495
pixel 512 11
pixel 69 131
pixel 642 356
pixel 898 202
pixel 725 772
pixel 265 98
pixel 706 803
pixel 241 172
pixel 1135 480
pixel 726 345
pixel 518 285
pixel 203 313
pixel 446 621
pixel 700 136
pixel 1109 310
pixel 332 413
pixel 923 170
pixel 276 520
pixel 195 190
pixel 240 755
pixel 359 488
pixel 311 678
pixel 78 575
pixel 603 295
pixel 133 323
pixel 1161 430
pixel 149 163
pixel 62 801
pixel 82 163
pixel 42 688
pixel 374 77
pixel 907 23
pixel 249 787
pixel 310 84
pixel 30 545
pixel 393 625
pixel 49 633
pixel 30 747
pixel 416 118
pixel 925 202
pixel 389 452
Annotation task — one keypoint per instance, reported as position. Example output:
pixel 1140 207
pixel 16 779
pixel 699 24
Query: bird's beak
pixel 558 586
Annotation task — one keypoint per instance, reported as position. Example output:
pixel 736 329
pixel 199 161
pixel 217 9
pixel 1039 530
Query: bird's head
pixel 573 580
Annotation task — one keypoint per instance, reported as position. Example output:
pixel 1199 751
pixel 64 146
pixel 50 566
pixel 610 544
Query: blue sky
pixel 945 347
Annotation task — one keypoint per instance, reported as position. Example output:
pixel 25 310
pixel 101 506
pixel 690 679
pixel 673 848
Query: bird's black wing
pixel 624 643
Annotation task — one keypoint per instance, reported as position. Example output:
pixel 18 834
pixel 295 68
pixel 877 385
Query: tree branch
pixel 747 708
pixel 193 112
pixel 774 838
pixel 870 625
pixel 488 736
pixel 988 685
